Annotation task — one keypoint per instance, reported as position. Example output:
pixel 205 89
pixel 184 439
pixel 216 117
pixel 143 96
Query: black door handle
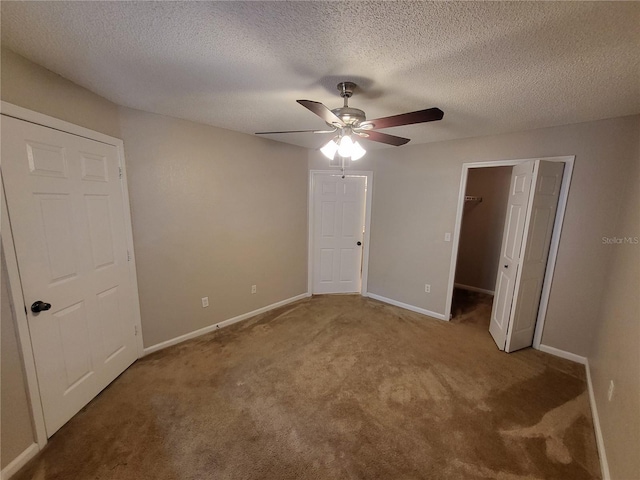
pixel 506 266
pixel 40 306
pixel 359 243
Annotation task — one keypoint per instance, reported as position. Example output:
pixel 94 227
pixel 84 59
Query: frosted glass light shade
pixel 346 147
pixel 330 149
pixel 357 151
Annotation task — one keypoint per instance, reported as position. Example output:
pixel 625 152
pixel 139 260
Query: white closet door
pixel 545 191
pixel 510 251
pixel 66 208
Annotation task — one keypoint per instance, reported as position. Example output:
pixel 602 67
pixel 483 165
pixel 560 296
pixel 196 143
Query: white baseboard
pixel 592 401
pixel 563 354
pixel 224 323
pixel 474 289
pixel 406 306
pixel 604 465
pixel 19 462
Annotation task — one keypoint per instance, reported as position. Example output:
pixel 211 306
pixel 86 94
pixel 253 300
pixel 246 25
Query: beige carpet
pixel 334 387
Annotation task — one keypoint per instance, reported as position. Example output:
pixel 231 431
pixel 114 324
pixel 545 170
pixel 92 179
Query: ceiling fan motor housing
pixel 349 115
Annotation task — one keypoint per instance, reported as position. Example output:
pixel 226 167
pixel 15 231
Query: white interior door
pixel 545 191
pixel 519 190
pixel 338 229
pixel 66 208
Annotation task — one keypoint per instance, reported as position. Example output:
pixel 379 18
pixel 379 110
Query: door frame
pixel 313 174
pixel 555 238
pixel 13 272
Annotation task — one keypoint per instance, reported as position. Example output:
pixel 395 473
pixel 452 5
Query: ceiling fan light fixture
pixel 345 147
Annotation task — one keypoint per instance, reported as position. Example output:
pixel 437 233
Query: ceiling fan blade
pixel 323 112
pixel 297 131
pixel 383 138
pixel 428 115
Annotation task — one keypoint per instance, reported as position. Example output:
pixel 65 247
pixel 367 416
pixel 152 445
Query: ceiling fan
pixel 351 122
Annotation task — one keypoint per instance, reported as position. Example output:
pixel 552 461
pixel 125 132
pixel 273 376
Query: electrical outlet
pixel 447 237
pixel 205 302
pixel 254 289
pixel 427 288
pixel 610 392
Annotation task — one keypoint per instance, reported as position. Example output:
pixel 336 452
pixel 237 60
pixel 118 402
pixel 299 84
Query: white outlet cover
pixel 205 302
pixel 447 237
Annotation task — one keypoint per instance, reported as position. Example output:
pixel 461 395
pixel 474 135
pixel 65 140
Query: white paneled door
pixel 510 251
pixel 545 192
pixel 67 215
pixel 531 212
pixel 338 232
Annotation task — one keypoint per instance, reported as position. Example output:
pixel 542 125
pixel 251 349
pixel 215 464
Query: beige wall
pixel 615 352
pixel 30 86
pixel 214 212
pixel 482 227
pixel 415 192
pixel 16 433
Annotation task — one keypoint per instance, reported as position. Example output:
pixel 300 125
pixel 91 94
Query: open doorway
pixel 537 198
pixel 484 210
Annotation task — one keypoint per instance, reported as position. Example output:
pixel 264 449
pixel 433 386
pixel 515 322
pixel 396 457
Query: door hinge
pixel 135 330
pixel 128 256
pixel 120 172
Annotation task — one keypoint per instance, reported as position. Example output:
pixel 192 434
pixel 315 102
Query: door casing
pixel 367 222
pixel 24 339
pixel 555 239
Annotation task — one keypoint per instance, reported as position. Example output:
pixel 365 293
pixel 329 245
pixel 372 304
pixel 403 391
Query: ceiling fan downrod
pixel 346 90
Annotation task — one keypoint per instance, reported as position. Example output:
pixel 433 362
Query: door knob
pixel 506 266
pixel 40 306
pixel 359 243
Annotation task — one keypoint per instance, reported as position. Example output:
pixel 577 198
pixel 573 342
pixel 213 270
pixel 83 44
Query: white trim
pixel 461 286
pixel 22 325
pixel 555 238
pixel 224 323
pixel 563 354
pixel 604 465
pixel 133 277
pixel 455 242
pixel 21 113
pixel 367 224
pixel 367 234
pixel 406 306
pixel 20 461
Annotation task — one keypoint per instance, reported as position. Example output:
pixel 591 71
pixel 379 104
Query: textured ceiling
pixel 492 67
